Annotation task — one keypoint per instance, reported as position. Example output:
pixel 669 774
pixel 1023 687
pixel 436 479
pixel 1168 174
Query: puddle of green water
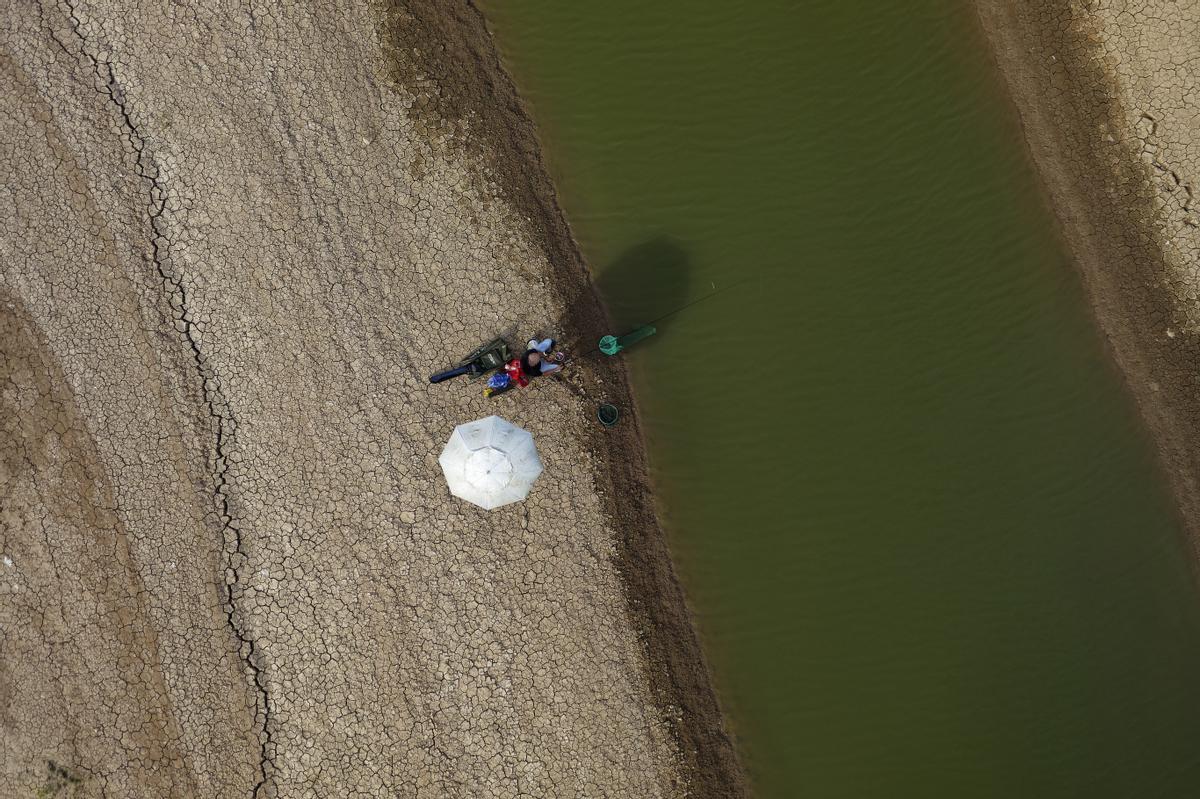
pixel 913 508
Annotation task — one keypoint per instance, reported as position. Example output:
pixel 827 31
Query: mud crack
pixel 222 419
pixel 1172 185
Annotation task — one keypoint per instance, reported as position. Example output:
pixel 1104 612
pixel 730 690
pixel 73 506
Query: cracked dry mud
pixel 1107 95
pixel 236 241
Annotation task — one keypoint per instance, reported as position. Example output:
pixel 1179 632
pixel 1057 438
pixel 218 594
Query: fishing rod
pixel 610 340
pixel 699 300
pixel 608 413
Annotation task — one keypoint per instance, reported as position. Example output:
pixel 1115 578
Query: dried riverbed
pixel 236 242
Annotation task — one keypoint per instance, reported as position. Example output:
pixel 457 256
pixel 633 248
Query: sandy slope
pixel 235 243
pixel 1106 92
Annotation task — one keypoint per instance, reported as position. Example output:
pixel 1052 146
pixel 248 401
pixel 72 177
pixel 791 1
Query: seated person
pixel 533 363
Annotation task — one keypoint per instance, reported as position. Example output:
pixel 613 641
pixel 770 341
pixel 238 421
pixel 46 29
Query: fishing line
pixel 684 307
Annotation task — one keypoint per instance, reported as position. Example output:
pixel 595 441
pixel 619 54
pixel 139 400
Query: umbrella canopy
pixel 490 462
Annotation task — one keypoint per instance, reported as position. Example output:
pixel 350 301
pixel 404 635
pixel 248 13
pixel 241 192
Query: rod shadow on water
pixel 644 283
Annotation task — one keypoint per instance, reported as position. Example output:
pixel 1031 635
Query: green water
pixel 922 528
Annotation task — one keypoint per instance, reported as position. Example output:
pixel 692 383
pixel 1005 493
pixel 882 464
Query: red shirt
pixel 515 372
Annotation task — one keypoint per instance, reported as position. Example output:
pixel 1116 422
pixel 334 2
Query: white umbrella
pixel 490 462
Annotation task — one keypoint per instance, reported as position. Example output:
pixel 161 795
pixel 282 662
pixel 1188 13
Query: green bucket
pixel 608 414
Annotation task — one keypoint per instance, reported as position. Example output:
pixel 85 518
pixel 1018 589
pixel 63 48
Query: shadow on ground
pixel 644 283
